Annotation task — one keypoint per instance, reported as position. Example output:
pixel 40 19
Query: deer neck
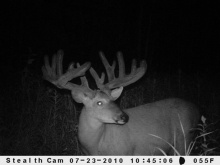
pixel 90 132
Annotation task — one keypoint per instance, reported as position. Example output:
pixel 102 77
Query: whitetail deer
pixel 104 129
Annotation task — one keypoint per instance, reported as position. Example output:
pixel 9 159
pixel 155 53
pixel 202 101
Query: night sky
pixel 171 36
pixel 167 34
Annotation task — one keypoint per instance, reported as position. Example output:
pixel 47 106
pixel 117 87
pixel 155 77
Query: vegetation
pixel 44 119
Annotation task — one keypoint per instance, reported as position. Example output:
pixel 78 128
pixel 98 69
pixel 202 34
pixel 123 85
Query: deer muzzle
pixel 122 118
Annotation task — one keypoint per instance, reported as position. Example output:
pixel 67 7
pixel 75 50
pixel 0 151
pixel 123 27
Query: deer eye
pixel 99 103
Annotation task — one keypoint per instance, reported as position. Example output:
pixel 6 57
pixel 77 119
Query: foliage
pixel 45 119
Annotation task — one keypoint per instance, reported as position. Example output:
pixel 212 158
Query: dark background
pixel 181 34
pixel 173 37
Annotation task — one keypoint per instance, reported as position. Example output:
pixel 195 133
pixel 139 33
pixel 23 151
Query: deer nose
pixel 124 117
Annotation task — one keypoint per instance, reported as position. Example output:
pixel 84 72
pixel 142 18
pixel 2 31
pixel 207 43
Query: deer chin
pixel 116 121
pixel 122 119
pixel 120 122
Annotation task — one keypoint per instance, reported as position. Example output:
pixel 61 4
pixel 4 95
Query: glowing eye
pixel 99 103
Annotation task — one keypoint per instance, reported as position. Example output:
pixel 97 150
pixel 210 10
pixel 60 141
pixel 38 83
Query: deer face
pixel 102 108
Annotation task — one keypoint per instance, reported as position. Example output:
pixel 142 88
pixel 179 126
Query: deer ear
pixel 81 97
pixel 78 97
pixel 115 93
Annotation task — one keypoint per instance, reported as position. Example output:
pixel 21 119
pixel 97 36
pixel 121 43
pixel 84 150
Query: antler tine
pixel 54 73
pixel 59 61
pixel 85 86
pixel 121 64
pixel 109 68
pixel 99 80
pixel 123 79
pixel 50 72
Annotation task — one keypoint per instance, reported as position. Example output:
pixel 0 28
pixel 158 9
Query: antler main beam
pixel 123 79
pixel 54 72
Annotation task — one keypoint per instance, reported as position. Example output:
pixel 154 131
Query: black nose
pixel 124 117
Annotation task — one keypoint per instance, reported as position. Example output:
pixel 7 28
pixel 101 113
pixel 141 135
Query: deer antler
pixel 123 79
pixel 54 73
